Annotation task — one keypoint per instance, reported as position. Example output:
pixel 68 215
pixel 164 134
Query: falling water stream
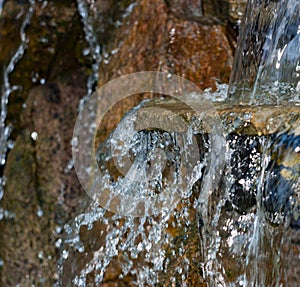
pixel 266 68
pixel 255 237
pixel 94 47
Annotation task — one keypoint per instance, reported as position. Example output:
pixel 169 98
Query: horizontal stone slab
pixel 176 116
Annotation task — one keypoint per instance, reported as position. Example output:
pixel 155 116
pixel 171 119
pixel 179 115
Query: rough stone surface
pixel 209 11
pixel 244 120
pixel 39 196
pixel 152 38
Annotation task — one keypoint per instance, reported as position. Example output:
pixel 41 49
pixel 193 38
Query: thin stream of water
pixel 7 89
pixel 85 9
pixel 94 49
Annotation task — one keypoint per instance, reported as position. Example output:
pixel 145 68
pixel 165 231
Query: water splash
pixel 236 229
pixel 158 165
pixel 252 213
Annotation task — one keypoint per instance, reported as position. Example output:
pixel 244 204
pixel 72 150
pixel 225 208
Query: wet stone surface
pixel 243 119
pixel 209 12
pixel 153 38
pixel 41 192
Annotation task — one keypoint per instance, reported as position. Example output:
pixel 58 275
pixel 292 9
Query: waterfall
pixel 240 229
pixel 226 208
pixel 267 62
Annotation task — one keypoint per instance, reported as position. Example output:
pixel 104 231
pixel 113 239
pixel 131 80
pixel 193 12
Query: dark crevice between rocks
pixel 205 12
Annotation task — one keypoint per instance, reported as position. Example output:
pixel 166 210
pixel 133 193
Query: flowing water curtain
pixel 147 239
pixel 267 63
pixel 249 237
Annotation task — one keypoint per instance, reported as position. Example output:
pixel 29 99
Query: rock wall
pixel 41 193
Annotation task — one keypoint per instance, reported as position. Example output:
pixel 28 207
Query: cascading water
pixel 254 239
pixel 258 214
pixel 150 164
pixel 266 67
pixel 240 231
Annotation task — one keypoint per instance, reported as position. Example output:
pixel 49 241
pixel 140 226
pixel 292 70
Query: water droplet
pixel 40 212
pixel 58 229
pixel 34 135
pixel 10 144
pixel 247 116
pixel 43 40
pixel 85 52
pixel 115 51
pixel 74 142
pixel 58 243
pixel 41 255
pixel 65 254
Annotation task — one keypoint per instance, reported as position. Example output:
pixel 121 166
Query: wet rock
pixel 199 53
pixel 264 158
pixel 148 40
pixel 50 51
pixel 41 193
pixel 151 38
pixel 243 120
pixel 209 11
pixel 38 194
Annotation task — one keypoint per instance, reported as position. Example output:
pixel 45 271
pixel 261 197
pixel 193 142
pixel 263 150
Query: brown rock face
pixel 154 37
pixel 39 195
